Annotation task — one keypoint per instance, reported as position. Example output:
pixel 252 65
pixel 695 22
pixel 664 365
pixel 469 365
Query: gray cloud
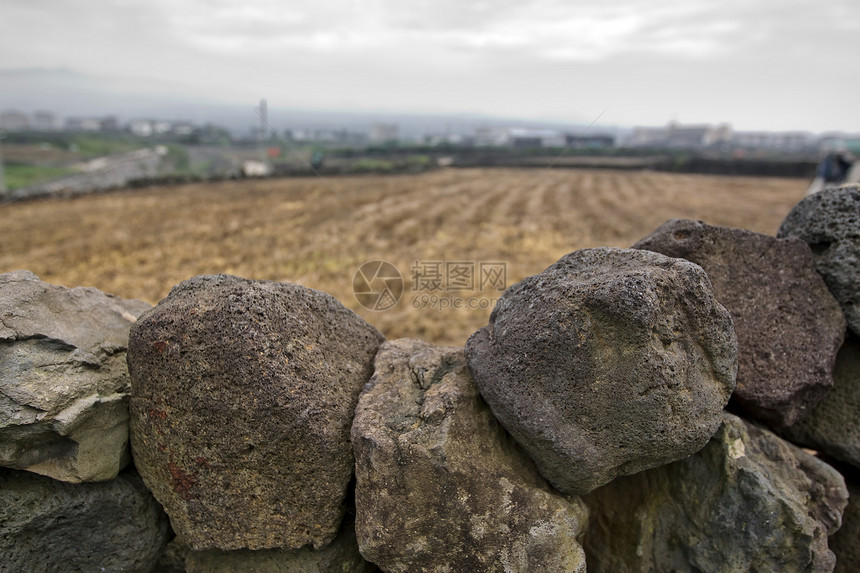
pixel 654 58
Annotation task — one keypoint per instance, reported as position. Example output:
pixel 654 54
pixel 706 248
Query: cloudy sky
pixel 758 64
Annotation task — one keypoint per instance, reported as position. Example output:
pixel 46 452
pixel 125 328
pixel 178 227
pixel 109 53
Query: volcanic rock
pixel 441 486
pixel 48 525
pixel 829 221
pixel 340 556
pixel 63 378
pixel 833 425
pixel 243 394
pixel 748 501
pixel 789 326
pixel 844 543
pixel 607 363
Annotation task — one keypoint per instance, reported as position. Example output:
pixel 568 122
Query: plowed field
pixel 318 232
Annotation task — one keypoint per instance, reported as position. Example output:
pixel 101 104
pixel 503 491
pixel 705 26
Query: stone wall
pixel 681 405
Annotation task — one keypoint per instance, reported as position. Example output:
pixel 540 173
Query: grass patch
pixel 98 145
pixel 20 175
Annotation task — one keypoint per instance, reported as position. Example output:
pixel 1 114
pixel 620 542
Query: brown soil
pixel 318 232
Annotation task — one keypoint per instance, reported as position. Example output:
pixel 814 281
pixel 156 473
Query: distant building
pixel 788 141
pixel 46 121
pixel 253 168
pixel 491 137
pixel 141 127
pixel 585 141
pixel 150 127
pixel 384 132
pixel 183 128
pixel 14 121
pixel 647 137
pixel 518 137
pixel 162 127
pixel 830 142
pixel 109 124
pixel 678 136
pixel 524 138
pixel 92 124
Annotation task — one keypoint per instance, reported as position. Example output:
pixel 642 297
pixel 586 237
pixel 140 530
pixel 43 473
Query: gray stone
pixel 440 486
pixel 607 363
pixel 243 394
pixel 48 525
pixel 341 556
pixel 830 222
pixel 845 543
pixel 833 425
pixel 63 378
pixel 789 326
pixel 748 501
pixel 172 559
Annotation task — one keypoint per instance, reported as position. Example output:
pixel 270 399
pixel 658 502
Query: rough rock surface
pixel 48 525
pixel 789 326
pixel 341 556
pixel 63 378
pixel 845 543
pixel 748 501
pixel 830 222
pixel 833 425
pixel 242 400
pixel 607 363
pixel 440 485
pixel 173 557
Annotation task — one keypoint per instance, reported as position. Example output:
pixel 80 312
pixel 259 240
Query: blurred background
pixel 142 143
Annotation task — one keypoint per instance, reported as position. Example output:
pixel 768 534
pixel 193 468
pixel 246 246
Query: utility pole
pixel 264 130
pixel 2 178
pixel 264 120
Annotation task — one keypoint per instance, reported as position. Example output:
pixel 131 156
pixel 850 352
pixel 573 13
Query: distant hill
pixel 70 93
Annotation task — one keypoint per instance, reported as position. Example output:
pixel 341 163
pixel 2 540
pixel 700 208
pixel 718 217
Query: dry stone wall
pixel 624 410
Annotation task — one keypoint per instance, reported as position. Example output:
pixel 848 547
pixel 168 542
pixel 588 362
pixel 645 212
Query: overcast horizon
pixel 762 65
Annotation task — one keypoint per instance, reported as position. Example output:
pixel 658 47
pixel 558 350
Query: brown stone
pixel 243 394
pixel 789 326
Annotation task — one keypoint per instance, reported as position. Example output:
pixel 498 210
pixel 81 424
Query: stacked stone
pixel 64 390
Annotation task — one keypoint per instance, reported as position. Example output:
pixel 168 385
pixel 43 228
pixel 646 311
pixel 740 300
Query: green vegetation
pixel 177 161
pixel 368 165
pixel 86 145
pixel 99 145
pixel 418 163
pixel 20 175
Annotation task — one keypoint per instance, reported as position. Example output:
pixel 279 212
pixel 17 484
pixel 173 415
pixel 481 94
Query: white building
pixel 14 121
pixel 384 132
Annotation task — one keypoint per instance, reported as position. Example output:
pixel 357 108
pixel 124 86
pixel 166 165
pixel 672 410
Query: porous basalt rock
pixel 440 486
pixel 748 501
pixel 833 425
pixel 243 394
pixel 340 556
pixel 829 221
pixel 789 326
pixel 609 362
pixel 63 378
pixel 48 525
